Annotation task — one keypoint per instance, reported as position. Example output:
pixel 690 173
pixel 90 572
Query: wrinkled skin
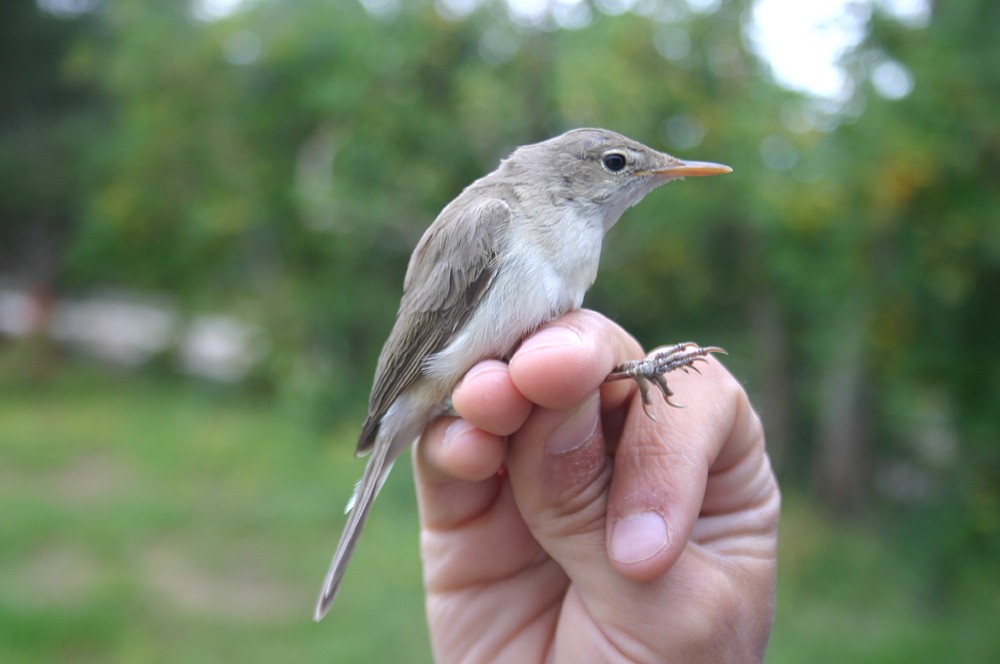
pixel 561 524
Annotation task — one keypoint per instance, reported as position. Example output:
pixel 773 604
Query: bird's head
pixel 601 167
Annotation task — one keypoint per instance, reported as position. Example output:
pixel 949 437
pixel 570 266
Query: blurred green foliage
pixel 280 162
pixel 146 521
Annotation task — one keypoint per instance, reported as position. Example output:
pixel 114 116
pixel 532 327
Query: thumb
pixel 560 472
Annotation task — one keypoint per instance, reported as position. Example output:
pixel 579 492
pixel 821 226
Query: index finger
pixel 563 363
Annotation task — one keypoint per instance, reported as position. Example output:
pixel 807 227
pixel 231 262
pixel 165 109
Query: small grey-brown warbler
pixel 516 249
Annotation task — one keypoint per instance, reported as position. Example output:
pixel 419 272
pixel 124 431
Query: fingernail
pixel 481 369
pixel 455 430
pixel 576 430
pixel 551 336
pixel 638 537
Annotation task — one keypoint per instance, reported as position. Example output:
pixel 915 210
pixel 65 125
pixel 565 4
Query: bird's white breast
pixel 544 271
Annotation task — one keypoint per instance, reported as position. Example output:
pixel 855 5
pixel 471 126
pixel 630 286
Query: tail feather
pixel 358 507
pixel 400 426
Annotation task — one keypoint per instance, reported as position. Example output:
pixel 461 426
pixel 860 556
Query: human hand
pixel 560 523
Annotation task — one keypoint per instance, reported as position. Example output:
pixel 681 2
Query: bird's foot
pixel 652 369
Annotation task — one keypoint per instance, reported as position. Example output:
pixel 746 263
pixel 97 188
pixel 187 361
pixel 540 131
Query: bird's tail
pixel 371 482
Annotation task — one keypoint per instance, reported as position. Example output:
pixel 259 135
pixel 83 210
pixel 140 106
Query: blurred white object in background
pixel 129 329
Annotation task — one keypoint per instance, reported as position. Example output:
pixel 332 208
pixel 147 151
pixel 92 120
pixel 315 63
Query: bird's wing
pixel 451 269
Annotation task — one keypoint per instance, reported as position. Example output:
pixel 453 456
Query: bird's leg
pixel 652 369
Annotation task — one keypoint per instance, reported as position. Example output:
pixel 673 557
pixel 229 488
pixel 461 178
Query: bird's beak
pixel 687 169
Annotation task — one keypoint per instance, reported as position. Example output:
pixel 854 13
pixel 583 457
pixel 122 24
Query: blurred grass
pixel 152 522
pixel 847 593
pixel 156 521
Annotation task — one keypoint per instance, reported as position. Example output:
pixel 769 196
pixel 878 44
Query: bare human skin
pixel 561 524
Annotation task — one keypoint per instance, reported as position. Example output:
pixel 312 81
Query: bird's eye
pixel 614 161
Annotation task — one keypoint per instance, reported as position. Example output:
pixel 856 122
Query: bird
pixel 515 249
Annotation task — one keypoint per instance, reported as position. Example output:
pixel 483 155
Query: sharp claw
pixel 661 382
pixel 643 385
pixel 682 356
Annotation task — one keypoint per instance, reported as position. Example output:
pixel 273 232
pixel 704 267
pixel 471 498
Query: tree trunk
pixel 842 461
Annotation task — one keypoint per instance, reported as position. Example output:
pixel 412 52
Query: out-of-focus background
pixel 206 208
